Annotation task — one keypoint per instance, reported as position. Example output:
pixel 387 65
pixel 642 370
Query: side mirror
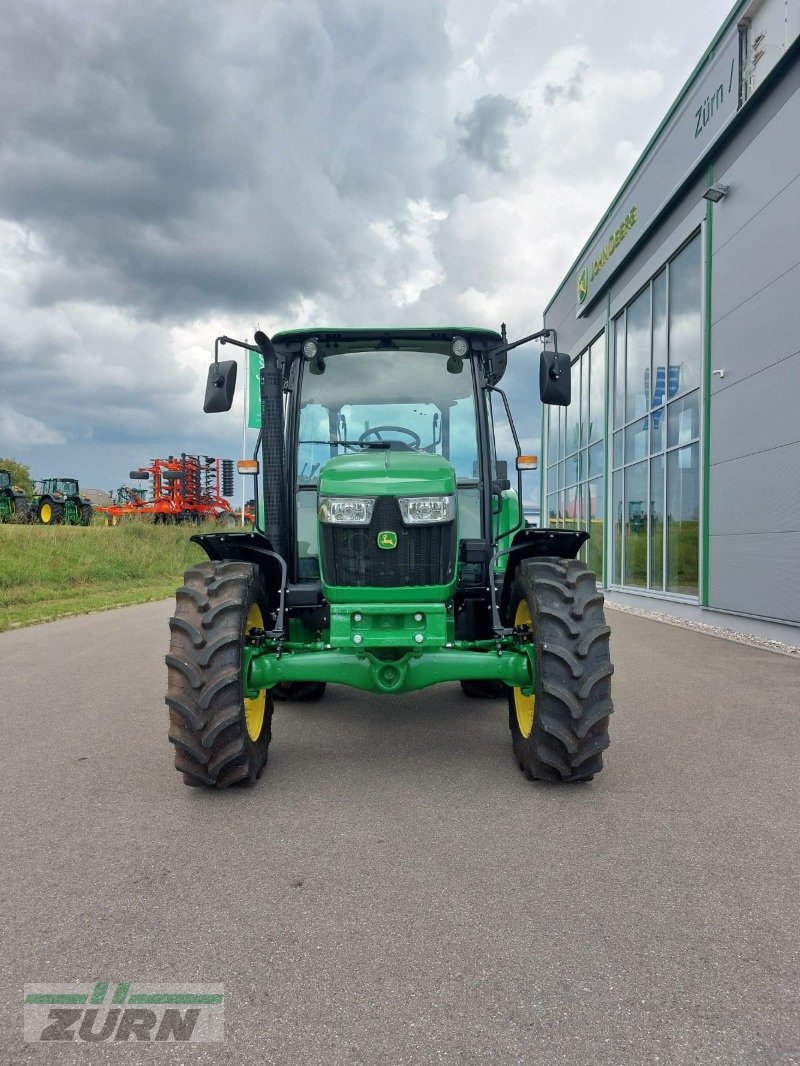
pixel 220 387
pixel 554 379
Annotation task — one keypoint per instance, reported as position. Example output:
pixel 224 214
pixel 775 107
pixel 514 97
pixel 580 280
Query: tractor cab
pixel 378 416
pixel 58 500
pixel 64 486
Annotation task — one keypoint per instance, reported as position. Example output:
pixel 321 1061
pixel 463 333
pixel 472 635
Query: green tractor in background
pixel 13 503
pixel 58 501
pixel 390 553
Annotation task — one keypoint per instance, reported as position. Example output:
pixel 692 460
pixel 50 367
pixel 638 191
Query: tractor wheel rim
pixel 46 513
pixel 254 709
pixel 524 706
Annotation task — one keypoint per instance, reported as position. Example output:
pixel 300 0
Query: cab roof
pixel 383 338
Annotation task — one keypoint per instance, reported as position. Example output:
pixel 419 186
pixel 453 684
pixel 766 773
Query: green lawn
pixel 49 572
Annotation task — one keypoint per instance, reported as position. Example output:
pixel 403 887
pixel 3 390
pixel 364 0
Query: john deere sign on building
pixel 611 245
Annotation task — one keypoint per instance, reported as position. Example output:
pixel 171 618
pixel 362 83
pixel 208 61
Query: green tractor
pixel 13 504
pixel 390 553
pixel 58 501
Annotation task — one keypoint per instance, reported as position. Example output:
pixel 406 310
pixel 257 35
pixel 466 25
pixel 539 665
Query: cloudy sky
pixel 173 171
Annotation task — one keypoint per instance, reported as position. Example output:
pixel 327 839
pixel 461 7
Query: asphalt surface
pixel 394 890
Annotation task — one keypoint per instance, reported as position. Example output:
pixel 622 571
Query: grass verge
pixel 49 572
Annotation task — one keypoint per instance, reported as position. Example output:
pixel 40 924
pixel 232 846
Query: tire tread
pixel 573 691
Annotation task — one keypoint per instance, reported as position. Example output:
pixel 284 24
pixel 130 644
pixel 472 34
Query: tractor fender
pixel 531 543
pixel 247 546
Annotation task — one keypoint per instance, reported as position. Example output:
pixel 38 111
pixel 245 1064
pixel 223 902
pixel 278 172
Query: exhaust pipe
pixel 274 476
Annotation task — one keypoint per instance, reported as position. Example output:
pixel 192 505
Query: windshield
pixel 402 399
pixel 67 485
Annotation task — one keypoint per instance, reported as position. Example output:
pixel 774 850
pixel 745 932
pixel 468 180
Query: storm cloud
pixel 571 90
pixel 170 172
pixel 484 129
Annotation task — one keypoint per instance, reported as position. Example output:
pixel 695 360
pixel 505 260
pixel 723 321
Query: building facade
pixel 680 451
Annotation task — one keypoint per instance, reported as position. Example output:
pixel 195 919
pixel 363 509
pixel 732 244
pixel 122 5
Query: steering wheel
pixel 376 431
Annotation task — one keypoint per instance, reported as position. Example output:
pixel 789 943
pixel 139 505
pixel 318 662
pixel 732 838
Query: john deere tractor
pixel 13 505
pixel 390 553
pixel 58 501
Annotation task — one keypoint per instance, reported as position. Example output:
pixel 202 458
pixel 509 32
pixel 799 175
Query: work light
pixel 426 510
pixel 346 510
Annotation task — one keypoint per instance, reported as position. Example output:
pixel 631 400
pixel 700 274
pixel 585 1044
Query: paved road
pixel 393 890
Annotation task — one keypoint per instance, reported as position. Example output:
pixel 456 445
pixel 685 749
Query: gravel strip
pixel 712 631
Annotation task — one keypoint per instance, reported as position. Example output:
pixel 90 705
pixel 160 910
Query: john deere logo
pixel 583 285
pixel 387 539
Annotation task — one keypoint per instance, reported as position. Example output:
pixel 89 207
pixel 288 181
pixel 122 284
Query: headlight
pixel 346 510
pixel 424 510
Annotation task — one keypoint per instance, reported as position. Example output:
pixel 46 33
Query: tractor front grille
pixel 425 555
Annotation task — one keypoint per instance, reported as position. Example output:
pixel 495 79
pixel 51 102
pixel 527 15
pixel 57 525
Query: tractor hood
pixel 387 472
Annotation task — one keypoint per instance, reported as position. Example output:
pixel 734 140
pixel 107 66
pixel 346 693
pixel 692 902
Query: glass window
pixel 657 352
pixel 636 496
pixel 571 474
pixel 683 519
pixel 553 417
pixel 426 406
pixel 685 320
pixel 583 432
pixel 572 427
pixel 307 543
pixel 552 479
pixel 659 380
pixel 595 510
pixel 619 370
pixel 657 522
pixel 637 371
pixel 683 420
pixel 469 512
pixel 618 439
pixel 636 441
pixel 571 508
pixel 552 509
pixel 583 425
pixel 616 504
pixel 657 430
pixel 596 459
pixel 597 390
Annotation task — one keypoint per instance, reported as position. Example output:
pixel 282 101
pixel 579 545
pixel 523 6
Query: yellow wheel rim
pixel 524 706
pixel 254 709
pixel 46 513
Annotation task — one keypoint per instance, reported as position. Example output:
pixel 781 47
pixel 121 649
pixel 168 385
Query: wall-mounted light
pixel 715 192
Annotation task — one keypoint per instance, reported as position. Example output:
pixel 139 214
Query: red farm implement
pixel 188 488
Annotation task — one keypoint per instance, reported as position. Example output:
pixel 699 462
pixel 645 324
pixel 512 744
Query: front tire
pixel 51 513
pixel 220 737
pixel 560 732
